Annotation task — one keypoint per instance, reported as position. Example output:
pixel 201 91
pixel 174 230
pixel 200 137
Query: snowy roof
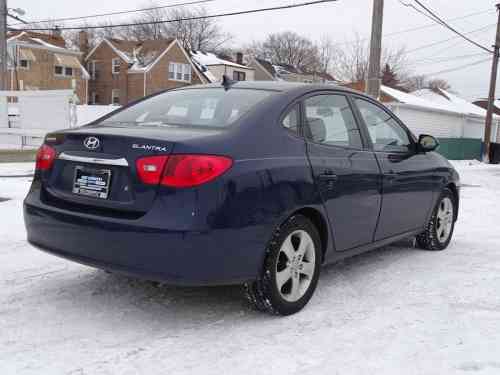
pixel 209 58
pixel 47 41
pixel 449 100
pixel 403 97
pixel 464 105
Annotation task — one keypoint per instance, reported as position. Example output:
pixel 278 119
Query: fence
pixel 26 116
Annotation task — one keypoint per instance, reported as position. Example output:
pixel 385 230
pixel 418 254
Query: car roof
pixel 281 86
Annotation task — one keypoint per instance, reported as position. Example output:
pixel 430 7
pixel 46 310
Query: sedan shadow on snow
pixel 110 294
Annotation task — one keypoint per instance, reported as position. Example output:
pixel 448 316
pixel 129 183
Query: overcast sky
pixel 341 20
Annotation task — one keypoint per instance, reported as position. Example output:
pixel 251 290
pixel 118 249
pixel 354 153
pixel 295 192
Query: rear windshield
pixel 210 107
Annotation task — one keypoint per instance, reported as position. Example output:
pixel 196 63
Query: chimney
pixel 83 43
pixel 56 31
pixel 239 58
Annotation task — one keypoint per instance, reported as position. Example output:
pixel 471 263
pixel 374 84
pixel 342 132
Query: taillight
pixel 181 171
pixel 45 157
pixel 150 169
pixel 194 170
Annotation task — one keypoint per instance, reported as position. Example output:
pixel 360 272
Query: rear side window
pixel 329 120
pixel 210 107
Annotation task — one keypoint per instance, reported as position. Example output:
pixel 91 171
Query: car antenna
pixel 227 82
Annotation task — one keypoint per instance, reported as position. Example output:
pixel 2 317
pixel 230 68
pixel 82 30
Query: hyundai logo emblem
pixel 91 143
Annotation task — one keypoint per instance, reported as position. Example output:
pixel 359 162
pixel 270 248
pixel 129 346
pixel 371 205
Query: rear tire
pixel 291 269
pixel 439 229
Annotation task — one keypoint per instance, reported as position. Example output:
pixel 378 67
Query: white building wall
pixel 442 124
pixel 219 70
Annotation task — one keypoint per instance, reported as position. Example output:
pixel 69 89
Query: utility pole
pixel 491 95
pixel 373 81
pixel 3 44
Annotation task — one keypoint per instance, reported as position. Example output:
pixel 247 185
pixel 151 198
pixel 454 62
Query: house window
pixel 24 64
pixel 239 76
pixel 91 67
pixel 115 96
pixel 58 70
pixel 115 65
pixel 63 71
pixel 94 98
pixel 179 72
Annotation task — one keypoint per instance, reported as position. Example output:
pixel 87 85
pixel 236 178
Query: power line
pixel 446 59
pixel 23 22
pixel 426 26
pixel 442 22
pixel 458 67
pixel 117 12
pixel 416 28
pixel 250 11
pixel 453 38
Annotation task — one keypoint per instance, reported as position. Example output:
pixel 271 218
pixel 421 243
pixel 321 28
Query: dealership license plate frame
pixel 92 182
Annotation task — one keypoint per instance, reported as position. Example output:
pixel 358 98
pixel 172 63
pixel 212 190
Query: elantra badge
pixel 149 147
pixel 91 143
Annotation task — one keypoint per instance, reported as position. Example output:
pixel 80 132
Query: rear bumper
pixel 212 257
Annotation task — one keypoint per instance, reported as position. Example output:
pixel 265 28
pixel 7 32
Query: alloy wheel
pixel 444 219
pixel 295 266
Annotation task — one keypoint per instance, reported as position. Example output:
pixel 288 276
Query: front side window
pixel 210 107
pixel 292 119
pixel 68 72
pixel 329 120
pixel 385 132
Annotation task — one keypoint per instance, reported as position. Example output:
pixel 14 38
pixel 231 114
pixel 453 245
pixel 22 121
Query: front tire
pixel 291 269
pixel 439 229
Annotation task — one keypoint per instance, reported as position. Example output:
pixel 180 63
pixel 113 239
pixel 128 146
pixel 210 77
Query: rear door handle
pixel 328 175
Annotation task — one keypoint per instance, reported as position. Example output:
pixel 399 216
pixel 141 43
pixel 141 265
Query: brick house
pixel 122 71
pixel 39 61
pixel 266 71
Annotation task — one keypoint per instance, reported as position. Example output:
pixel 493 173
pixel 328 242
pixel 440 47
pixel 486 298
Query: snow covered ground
pixel 397 310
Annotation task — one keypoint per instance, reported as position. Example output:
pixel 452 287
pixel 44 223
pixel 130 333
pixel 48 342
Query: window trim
pixel 361 121
pixel 113 65
pixel 288 109
pixel 62 71
pixel 113 96
pixel 175 71
pixel 364 143
pixel 239 73
pixel 27 67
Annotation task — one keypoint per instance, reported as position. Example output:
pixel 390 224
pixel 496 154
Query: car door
pixel 347 175
pixel 408 179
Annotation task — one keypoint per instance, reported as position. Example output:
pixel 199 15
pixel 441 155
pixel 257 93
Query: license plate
pixel 92 182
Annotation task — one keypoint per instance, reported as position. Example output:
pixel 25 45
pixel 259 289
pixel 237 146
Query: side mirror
pixel 427 143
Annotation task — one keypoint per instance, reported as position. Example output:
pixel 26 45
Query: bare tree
pixel 438 83
pixel 289 48
pixel 326 53
pixel 419 82
pixel 416 82
pixel 350 61
pixel 196 34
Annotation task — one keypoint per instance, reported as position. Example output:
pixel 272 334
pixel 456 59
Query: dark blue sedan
pixel 249 183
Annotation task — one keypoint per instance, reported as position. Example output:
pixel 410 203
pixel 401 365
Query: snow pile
pixel 393 311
